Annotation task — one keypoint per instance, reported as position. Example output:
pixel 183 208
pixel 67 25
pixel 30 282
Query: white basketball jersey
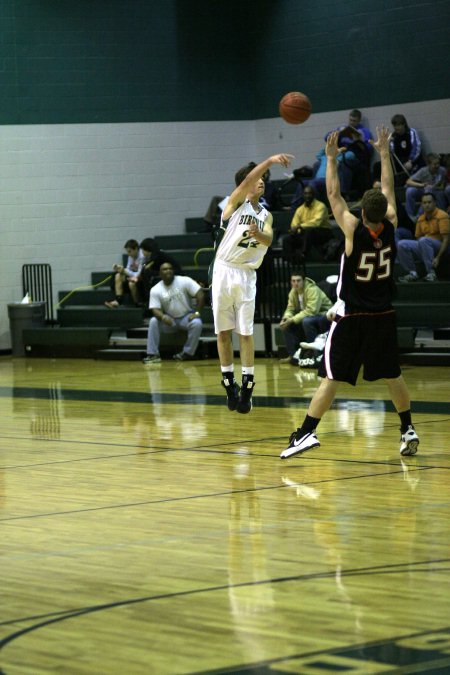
pixel 236 246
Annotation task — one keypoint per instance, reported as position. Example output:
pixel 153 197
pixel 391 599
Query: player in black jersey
pixel 367 334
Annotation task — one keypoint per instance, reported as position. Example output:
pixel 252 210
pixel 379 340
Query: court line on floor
pixel 99 395
pixel 207 448
pixel 209 495
pixel 432 664
pixel 395 568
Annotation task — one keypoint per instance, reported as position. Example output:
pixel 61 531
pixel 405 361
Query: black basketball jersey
pixel 366 278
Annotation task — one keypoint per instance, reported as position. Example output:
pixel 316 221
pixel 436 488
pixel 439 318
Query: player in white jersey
pixel 244 237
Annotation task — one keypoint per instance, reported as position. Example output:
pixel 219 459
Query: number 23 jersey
pixel 235 245
pixel 366 278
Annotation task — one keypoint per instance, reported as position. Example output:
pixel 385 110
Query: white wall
pixel 72 194
pixel 430 118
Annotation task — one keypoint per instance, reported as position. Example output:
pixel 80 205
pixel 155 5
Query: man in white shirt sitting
pixel 172 305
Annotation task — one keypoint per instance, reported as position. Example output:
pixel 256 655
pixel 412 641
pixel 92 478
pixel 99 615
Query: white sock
pixel 248 370
pixel 227 369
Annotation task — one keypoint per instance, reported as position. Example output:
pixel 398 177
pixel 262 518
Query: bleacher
pixel 86 328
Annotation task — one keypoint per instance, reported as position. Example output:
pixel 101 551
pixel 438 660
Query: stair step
pixel 189 241
pixel 196 225
pixel 442 334
pixel 121 354
pixel 67 336
pixel 125 339
pixel 430 315
pixel 95 296
pixel 88 315
pixel 137 333
pixel 425 358
pixel 198 273
pixel 77 342
pixel 183 256
pixel 423 292
pixel 101 279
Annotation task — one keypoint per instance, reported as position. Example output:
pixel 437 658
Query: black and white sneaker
pixel 299 442
pixel 409 442
pixel 151 359
pixel 244 404
pixel 232 389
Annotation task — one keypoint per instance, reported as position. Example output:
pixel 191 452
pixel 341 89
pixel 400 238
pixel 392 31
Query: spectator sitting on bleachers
pixel 405 147
pixel 172 305
pixel 125 278
pixel 305 314
pixel 320 171
pixel 303 175
pixel 446 165
pixel 269 198
pixel 431 177
pixel 149 275
pixel 354 171
pixel 405 228
pixel 310 226
pixel 431 243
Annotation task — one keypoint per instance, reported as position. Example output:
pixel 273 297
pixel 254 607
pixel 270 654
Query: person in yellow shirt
pixel 310 226
pixel 430 244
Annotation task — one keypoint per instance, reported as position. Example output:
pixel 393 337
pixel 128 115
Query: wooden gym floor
pixel 146 529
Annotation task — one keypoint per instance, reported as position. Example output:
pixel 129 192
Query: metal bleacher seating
pixel 84 327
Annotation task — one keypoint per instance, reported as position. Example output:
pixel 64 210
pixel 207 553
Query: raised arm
pixel 240 192
pixel 387 174
pixel 341 213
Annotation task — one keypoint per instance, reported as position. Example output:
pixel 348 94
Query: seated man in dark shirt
pixel 149 274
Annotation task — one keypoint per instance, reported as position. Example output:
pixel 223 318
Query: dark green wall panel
pixel 63 61
pixel 357 53
pixel 122 60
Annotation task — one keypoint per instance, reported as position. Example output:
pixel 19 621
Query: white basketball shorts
pixel 233 298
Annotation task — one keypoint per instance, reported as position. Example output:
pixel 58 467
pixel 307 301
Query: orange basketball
pixel 295 107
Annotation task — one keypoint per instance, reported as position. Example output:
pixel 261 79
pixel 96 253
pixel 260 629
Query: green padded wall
pixel 357 53
pixel 63 61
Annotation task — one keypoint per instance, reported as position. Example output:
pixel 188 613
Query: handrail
pixel 199 251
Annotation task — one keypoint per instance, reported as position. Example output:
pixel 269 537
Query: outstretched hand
pixel 283 159
pixel 382 142
pixel 331 149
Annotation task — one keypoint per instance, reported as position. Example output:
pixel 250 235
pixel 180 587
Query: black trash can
pixel 31 315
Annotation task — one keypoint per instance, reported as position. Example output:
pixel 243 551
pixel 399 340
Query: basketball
pixel 295 107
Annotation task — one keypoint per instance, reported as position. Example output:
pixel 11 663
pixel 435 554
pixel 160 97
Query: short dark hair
pixel 355 113
pixel 431 156
pixel 131 243
pixel 374 204
pixel 429 193
pixel 149 244
pixel 243 172
pixel 298 273
pixel 399 119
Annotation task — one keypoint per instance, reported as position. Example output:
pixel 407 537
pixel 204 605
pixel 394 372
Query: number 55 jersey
pixel 366 281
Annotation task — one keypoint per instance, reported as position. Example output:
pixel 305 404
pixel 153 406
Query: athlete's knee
pixel 245 338
pixel 224 335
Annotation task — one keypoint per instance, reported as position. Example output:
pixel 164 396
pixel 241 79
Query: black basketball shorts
pixel 363 339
